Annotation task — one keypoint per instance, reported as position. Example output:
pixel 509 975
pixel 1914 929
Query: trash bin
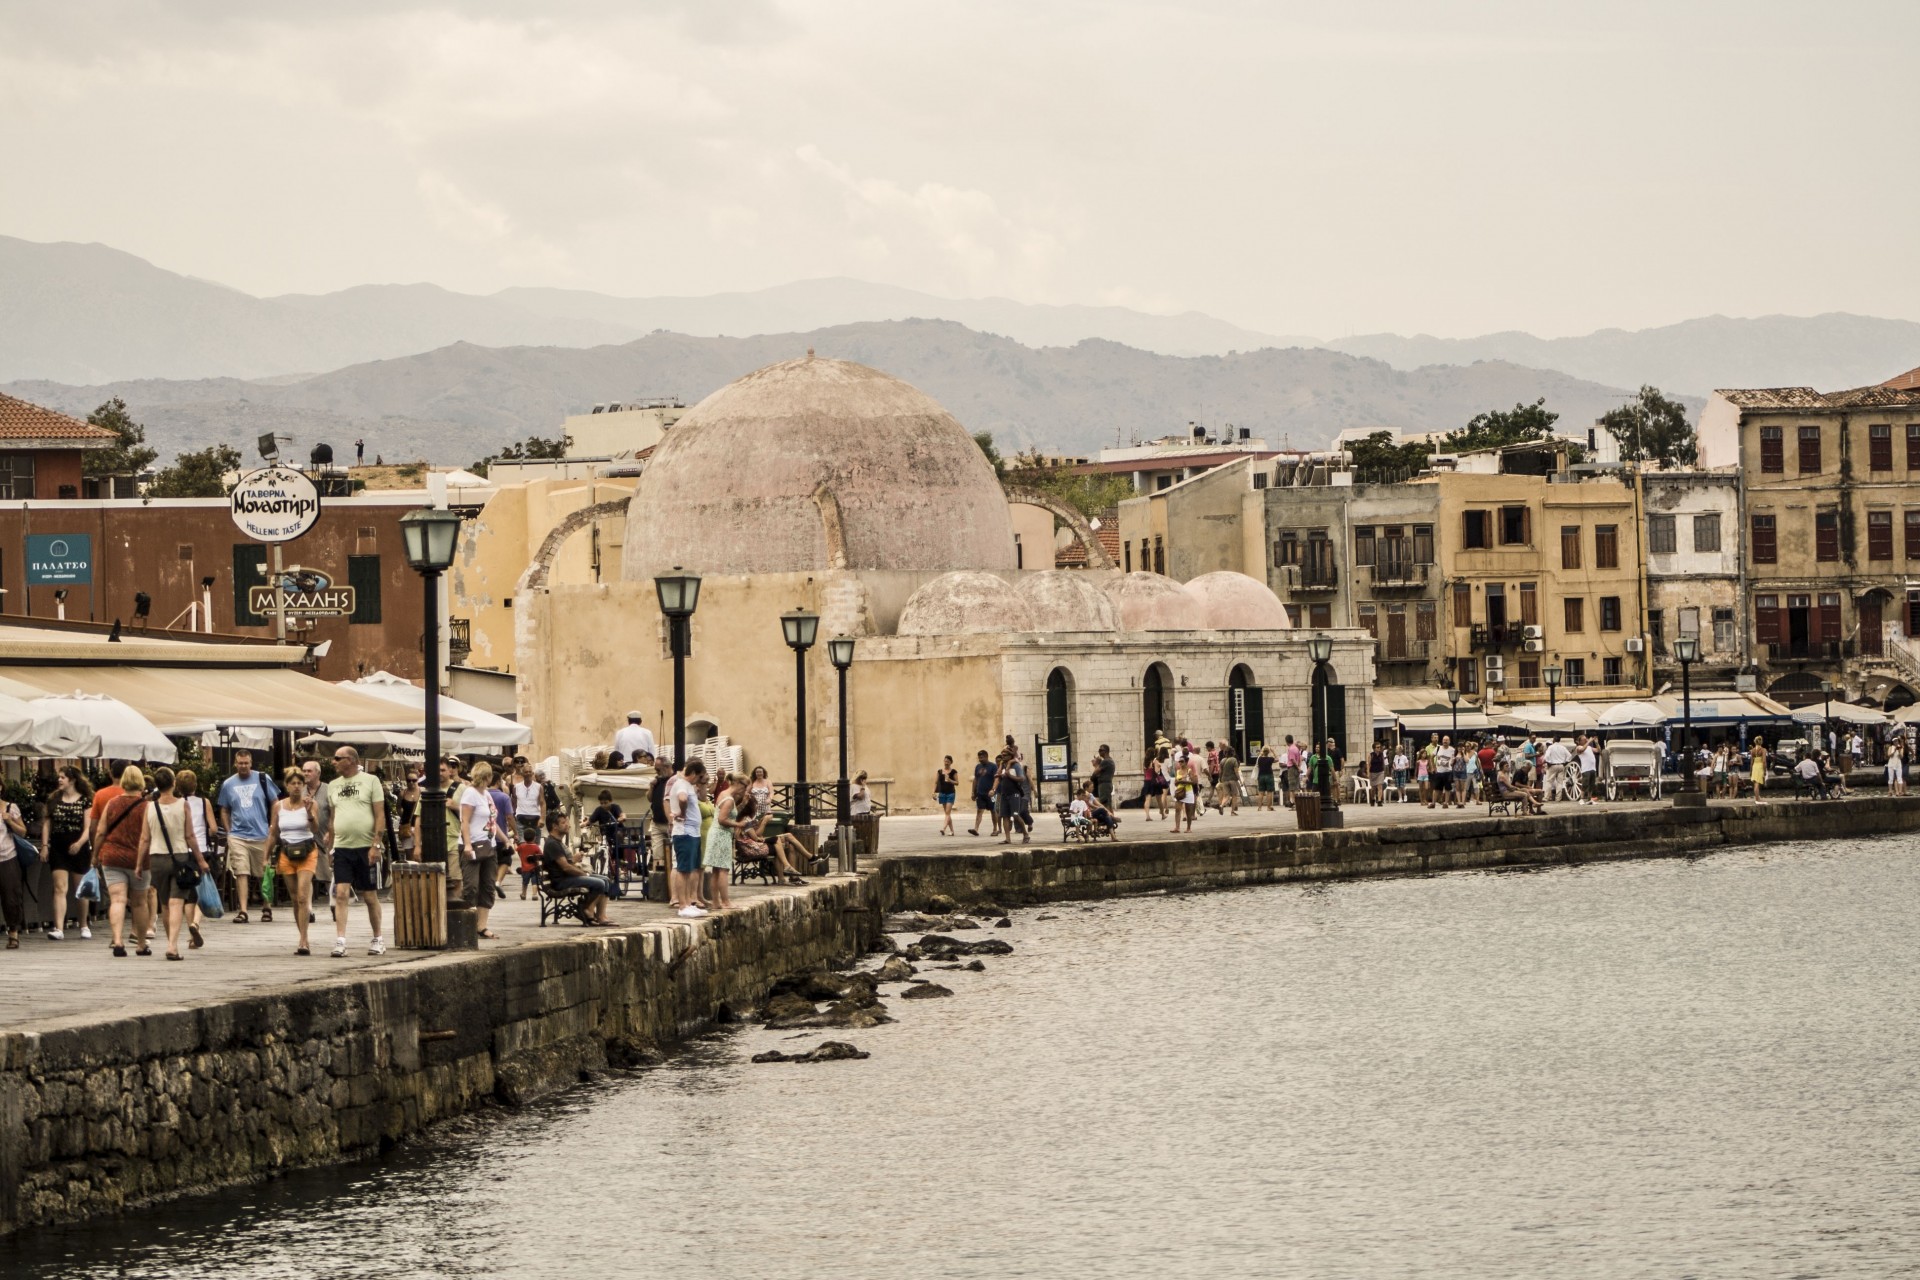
pixel 867 827
pixel 420 906
pixel 1306 810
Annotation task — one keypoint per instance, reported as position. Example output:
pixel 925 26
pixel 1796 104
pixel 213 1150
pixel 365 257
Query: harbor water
pixel 1695 1067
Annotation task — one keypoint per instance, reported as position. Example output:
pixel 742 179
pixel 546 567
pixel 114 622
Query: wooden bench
pixel 1073 828
pixel 1507 805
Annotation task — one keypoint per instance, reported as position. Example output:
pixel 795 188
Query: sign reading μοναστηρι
pixel 274 504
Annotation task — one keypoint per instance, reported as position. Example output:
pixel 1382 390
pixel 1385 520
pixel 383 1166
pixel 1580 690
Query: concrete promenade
pixel 61 984
pixel 124 1081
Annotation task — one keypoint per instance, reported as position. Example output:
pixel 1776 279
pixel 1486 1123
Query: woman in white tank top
pixel 295 825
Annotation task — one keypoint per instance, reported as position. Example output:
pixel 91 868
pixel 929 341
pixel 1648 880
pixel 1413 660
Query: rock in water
pixel 940 904
pixel 787 1005
pixel 825 1051
pixel 1003 923
pixel 896 969
pixel 962 922
pixel 925 991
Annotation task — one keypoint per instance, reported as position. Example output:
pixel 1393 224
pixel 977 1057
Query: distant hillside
pixel 460 402
pixel 1830 352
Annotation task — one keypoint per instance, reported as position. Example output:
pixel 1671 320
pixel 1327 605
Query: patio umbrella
pixel 384 741
pixel 112 729
pixel 27 729
pixel 465 727
pixel 1632 714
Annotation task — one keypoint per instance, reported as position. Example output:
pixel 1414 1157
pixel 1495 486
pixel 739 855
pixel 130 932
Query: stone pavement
pixel 52 984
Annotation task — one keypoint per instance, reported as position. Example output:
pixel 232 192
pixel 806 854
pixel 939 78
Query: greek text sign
pixel 303 593
pixel 275 504
pixel 1053 762
pixel 59 558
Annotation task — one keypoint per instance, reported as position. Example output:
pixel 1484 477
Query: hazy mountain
pixel 1831 352
pixel 460 402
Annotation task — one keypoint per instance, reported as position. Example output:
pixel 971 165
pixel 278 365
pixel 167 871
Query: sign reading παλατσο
pixel 275 504
pixel 59 559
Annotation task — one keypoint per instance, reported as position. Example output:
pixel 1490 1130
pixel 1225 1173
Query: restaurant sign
pixel 303 593
pixel 59 559
pixel 275 504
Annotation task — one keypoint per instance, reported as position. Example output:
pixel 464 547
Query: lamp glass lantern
pixel 840 652
pixel 429 535
pixel 1686 648
pixel 678 592
pixel 1453 695
pixel 800 628
pixel 1552 675
pixel 1320 648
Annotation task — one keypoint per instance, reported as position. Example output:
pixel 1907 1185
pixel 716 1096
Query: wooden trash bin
pixel 1306 810
pixel 420 906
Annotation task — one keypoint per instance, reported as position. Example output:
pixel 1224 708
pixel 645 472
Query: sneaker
pixel 377 947
pixel 86 932
pixel 692 913
pixel 54 935
pixel 339 947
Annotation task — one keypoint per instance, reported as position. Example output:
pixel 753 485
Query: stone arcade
pixel 829 486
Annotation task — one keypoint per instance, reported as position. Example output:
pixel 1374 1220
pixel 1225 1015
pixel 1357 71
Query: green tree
pixel 1088 494
pixel 532 448
pixel 1653 429
pixel 1523 424
pixel 201 474
pixel 985 440
pixel 131 456
pixel 1383 455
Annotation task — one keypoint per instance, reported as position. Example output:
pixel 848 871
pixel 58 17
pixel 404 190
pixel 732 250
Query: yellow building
pixel 1540 572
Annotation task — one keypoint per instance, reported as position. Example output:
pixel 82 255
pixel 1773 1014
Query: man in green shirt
pixel 359 816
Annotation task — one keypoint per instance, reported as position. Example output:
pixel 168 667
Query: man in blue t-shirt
pixel 245 812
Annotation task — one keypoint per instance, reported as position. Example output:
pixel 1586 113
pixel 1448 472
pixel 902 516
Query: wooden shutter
pixel 363 575
pixel 1766 619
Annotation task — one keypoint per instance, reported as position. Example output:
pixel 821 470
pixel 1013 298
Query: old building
pixel 1831 492
pixel 41 451
pixel 1693 572
pixel 832 487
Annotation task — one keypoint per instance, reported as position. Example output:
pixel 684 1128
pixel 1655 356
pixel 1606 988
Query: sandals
pixel 193 932
pixel 303 951
pixel 266 915
pixel 120 951
pixel 144 951
pixel 240 917
pixel 175 955
pixel 795 880
pixel 489 935
pixel 13 942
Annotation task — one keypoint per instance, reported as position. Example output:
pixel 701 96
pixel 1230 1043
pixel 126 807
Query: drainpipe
pixel 1640 584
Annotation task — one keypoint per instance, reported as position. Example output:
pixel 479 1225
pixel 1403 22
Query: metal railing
pixel 1397 575
pixel 1405 651
pixel 1309 577
pixel 1811 651
pixel 820 798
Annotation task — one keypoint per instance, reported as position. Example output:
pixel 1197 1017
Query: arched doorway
pixel 1156 703
pixel 1246 711
pixel 1897 697
pixel 1872 609
pixel 1801 689
pixel 1059 704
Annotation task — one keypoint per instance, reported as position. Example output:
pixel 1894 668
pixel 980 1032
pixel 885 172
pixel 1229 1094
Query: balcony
pixel 1398 575
pixel 459 640
pixel 1401 651
pixel 1494 638
pixel 1811 651
pixel 1309 579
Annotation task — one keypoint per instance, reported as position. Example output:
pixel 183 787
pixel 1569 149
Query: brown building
pixel 95 559
pixel 1831 565
pixel 40 451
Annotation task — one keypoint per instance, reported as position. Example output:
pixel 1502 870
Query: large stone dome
pixel 1067 600
pixel 1151 602
pixel 965 603
pixel 817 464
pixel 1236 602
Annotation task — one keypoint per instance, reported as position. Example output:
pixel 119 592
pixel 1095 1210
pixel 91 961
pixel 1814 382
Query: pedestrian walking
pixel 946 784
pixel 1263 778
pixel 1229 780
pixel 175 861
pixel 294 837
pixel 358 821
pixel 684 821
pixel 1760 757
pixel 63 840
pixel 1103 768
pixel 1376 772
pixel 984 774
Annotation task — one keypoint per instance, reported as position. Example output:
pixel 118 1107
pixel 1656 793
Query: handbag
pixel 208 894
pixel 89 886
pixel 186 876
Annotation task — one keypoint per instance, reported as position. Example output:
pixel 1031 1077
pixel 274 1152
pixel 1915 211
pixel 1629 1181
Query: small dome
pixel 965 603
pixel 1236 602
pixel 1067 600
pixel 1152 602
pixel 817 464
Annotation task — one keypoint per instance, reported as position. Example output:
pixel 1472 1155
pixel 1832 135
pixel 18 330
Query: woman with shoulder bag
pixel 175 860
pixel 295 834
pixel 481 840
pixel 13 880
pixel 120 848
pixel 63 835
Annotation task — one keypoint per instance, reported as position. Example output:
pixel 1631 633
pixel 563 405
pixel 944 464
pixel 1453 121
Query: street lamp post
pixel 429 535
pixel 679 594
pixel 1826 713
pixel 799 628
pixel 840 653
pixel 1453 700
pixel 1552 675
pixel 1687 650
pixel 1320 649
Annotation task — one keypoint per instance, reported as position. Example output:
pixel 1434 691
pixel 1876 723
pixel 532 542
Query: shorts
pixel 686 854
pixel 246 857
pixel 135 881
pixel 1266 783
pixel 72 861
pixel 354 867
pixel 286 865
pixel 529 825
pixel 943 797
pixel 477 877
pixel 162 871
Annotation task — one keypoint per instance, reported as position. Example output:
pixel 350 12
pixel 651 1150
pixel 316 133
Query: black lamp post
pixel 1552 675
pixel 1453 700
pixel 1826 713
pixel 1687 650
pixel 679 594
pixel 840 653
pixel 799 629
pixel 1320 649
pixel 429 536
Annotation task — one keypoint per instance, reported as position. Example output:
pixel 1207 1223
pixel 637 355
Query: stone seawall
pixel 135 1108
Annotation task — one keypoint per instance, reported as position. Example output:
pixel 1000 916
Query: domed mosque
pixel 827 486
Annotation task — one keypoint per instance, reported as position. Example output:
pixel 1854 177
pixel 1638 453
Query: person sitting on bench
pixel 1812 777
pixel 769 841
pixel 1507 789
pixel 1087 805
pixel 564 875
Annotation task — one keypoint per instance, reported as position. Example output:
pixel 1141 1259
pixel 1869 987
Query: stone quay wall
pixel 135 1108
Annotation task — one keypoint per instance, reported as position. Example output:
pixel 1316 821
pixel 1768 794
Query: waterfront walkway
pixel 55 984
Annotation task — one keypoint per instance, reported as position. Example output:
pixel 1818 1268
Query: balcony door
pixel 1396 631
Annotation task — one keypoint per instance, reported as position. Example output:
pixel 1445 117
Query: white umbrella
pixel 28 729
pixel 1633 713
pixel 112 729
pixel 467 727
pixel 1844 712
pixel 387 739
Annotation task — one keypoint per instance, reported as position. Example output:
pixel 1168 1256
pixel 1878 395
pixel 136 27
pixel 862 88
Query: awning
pixel 113 730
pixel 1634 713
pixel 370 741
pixel 37 729
pixel 1569 717
pixel 1843 712
pixel 1724 708
pixel 1443 721
pixel 466 727
pixel 191 700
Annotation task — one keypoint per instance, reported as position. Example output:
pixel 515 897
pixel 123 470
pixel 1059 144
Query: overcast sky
pixel 1319 169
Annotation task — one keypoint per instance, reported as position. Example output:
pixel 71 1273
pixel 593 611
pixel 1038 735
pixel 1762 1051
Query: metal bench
pixel 555 906
pixel 1509 804
pixel 1073 827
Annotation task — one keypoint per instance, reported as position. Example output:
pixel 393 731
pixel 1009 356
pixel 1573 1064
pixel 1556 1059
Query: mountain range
pixel 462 401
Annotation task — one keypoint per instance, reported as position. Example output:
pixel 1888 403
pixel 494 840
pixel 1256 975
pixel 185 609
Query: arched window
pixel 1246 711
pixel 1059 705
pixel 1156 703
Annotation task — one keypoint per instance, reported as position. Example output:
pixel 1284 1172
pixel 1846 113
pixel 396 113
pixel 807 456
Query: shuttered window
pixel 1913 446
pixel 1913 537
pixel 249 570
pixel 1826 535
pixel 1576 610
pixel 1809 449
pixel 1766 619
pixel 1660 530
pixel 1879 535
pixel 1765 549
pixel 1773 455
pixel 1829 618
pixel 1880 447
pixel 1606 546
pixel 363 575
pixel 1462 604
pixel 1529 605
pixel 1569 546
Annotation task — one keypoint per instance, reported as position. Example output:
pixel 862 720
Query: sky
pixel 1302 169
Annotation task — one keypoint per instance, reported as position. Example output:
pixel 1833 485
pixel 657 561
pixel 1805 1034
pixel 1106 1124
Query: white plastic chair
pixel 1362 790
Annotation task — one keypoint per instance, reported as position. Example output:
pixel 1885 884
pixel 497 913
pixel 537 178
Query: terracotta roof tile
pixel 21 420
pixel 1908 381
pixel 1886 396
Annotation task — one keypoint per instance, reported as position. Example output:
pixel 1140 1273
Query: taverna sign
pixel 275 504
